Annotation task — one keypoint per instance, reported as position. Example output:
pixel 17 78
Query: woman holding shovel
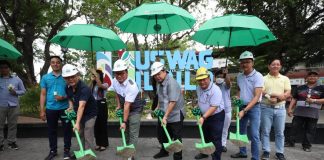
pixel 83 103
pixel 211 105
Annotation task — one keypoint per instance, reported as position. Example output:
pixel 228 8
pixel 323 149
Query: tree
pixel 298 25
pixel 108 12
pixel 29 20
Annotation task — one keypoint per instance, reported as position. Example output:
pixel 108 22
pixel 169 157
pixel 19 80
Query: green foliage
pixel 29 103
pixel 297 24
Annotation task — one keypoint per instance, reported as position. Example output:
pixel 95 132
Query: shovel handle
pixel 165 130
pixel 78 137
pixel 200 131
pixel 122 132
pixel 237 120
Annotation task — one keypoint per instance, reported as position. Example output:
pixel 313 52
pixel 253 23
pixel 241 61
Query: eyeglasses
pixel 70 77
pixel 245 62
pixel 120 73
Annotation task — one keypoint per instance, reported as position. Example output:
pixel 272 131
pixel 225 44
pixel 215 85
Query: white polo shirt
pixel 128 89
pixel 210 97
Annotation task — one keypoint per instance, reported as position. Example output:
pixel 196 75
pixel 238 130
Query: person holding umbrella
pixel 128 99
pixel 10 88
pixel 250 84
pixel 99 90
pixel 171 102
pixel 273 111
pixel 308 100
pixel 83 103
pixel 211 104
pixel 53 96
pixel 223 81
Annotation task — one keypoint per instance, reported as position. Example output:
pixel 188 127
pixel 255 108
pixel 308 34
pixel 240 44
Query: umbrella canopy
pixel 156 17
pixel 234 30
pixel 7 51
pixel 88 37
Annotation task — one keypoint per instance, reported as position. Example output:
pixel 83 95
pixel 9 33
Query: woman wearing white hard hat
pixel 83 103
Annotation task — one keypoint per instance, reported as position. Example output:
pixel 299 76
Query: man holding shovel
pixel 171 102
pixel 128 99
pixel 250 84
pixel 211 104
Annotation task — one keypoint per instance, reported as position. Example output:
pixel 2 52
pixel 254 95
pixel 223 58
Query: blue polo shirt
pixel 247 84
pixel 54 84
pixel 83 93
pixel 210 97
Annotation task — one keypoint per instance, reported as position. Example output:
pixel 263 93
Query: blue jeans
pixel 252 116
pixel 275 117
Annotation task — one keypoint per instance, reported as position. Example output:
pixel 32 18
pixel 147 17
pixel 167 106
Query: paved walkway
pixel 37 149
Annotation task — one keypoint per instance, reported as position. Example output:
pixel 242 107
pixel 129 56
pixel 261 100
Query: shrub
pixel 29 102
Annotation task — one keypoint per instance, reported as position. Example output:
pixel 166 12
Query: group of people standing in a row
pixel 264 99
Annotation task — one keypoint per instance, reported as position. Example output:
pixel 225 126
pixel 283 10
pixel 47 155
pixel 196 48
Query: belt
pixel 243 106
pixel 275 106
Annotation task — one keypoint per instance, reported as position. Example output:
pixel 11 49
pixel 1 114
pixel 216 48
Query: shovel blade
pixel 173 146
pixel 205 148
pixel 239 140
pixel 126 151
pixel 85 155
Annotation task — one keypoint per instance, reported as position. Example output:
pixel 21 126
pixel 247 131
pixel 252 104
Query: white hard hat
pixel 156 68
pixel 120 65
pixel 246 55
pixel 69 70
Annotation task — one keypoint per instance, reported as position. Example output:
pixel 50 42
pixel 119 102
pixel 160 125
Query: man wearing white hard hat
pixel 250 84
pixel 53 102
pixel 171 102
pixel 83 103
pixel 128 99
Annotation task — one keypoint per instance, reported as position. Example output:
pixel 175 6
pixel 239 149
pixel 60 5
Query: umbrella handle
pixel 200 131
pixel 165 130
pixel 122 132
pixel 78 137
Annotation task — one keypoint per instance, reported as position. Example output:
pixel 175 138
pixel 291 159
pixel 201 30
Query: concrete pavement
pixel 37 149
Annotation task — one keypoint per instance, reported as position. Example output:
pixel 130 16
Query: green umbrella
pixel 234 30
pixel 7 51
pixel 88 37
pixel 156 17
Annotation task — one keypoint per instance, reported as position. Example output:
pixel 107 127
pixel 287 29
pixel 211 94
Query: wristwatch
pixel 245 111
pixel 125 122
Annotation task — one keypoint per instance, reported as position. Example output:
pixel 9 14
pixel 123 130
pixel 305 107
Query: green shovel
pixel 237 138
pixel 81 154
pixel 125 151
pixel 203 147
pixel 171 146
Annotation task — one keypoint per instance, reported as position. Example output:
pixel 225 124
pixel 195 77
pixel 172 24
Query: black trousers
pixel 100 128
pixel 213 129
pixel 307 126
pixel 175 131
pixel 52 117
